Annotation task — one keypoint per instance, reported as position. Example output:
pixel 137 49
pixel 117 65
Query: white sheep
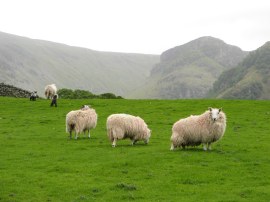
pixel 50 91
pixel 81 120
pixel 121 126
pixel 200 129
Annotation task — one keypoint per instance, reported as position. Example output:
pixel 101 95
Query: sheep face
pixel 214 113
pixel 148 135
pixel 85 107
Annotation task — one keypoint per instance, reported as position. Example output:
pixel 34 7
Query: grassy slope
pixel 39 163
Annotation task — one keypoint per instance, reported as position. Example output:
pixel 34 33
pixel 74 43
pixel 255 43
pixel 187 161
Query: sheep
pixel 121 126
pixel 199 129
pixel 50 91
pixel 81 120
pixel 54 100
pixel 33 96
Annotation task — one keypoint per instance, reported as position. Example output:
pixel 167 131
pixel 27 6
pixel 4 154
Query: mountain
pixel 249 80
pixel 189 70
pixel 32 64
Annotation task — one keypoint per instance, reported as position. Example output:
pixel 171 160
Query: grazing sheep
pixel 200 129
pixel 121 126
pixel 50 91
pixel 81 120
pixel 33 96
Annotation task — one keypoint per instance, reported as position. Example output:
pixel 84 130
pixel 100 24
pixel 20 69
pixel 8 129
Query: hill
pixel 32 64
pixel 189 70
pixel 249 80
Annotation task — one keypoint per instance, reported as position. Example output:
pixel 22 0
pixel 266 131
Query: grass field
pixel 38 162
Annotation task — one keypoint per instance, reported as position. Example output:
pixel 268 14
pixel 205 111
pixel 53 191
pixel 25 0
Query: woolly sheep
pixel 200 129
pixel 81 120
pixel 50 91
pixel 121 126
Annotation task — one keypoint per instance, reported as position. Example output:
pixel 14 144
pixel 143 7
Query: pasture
pixel 38 162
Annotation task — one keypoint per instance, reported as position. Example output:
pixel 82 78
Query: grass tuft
pixel 127 187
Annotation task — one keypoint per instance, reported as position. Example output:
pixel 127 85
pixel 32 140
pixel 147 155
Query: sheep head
pixel 214 113
pixel 85 107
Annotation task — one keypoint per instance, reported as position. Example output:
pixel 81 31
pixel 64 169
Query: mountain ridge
pixel 249 80
pixel 189 70
pixel 32 64
pixel 201 68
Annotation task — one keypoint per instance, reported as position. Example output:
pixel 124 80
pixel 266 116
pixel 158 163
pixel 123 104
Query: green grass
pixel 38 162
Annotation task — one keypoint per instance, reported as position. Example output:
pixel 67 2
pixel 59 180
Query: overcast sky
pixel 138 26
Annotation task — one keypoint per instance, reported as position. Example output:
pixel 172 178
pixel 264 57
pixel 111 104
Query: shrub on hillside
pixel 109 96
pixel 84 94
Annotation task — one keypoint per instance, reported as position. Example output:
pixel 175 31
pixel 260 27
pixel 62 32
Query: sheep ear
pixel 220 109
pixel 210 109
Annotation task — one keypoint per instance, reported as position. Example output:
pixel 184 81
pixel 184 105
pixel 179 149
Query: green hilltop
pixel 249 80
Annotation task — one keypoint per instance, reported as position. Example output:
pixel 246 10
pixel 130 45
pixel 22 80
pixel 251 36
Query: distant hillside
pixel 189 70
pixel 249 80
pixel 32 64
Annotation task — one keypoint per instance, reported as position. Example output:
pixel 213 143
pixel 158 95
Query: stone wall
pixel 12 91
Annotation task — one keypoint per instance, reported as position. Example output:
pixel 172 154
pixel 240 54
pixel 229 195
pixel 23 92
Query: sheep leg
pixel 172 147
pixel 70 134
pixel 88 133
pixel 133 142
pixel 114 142
pixel 76 136
pixel 209 146
pixel 205 146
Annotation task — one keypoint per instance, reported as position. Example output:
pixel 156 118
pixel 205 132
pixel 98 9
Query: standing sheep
pixel 54 100
pixel 50 91
pixel 81 120
pixel 200 129
pixel 33 96
pixel 121 126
